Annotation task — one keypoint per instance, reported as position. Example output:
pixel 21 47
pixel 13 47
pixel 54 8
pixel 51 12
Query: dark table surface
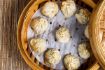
pixel 10 58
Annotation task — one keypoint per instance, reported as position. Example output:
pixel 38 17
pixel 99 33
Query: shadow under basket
pixel 23 23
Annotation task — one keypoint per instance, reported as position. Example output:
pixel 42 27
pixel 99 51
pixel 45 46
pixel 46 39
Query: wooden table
pixel 10 58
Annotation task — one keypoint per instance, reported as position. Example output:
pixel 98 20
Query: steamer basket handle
pixel 96 66
pixel 91 3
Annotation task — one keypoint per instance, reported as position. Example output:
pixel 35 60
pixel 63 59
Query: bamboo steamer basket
pixel 97 33
pixel 29 58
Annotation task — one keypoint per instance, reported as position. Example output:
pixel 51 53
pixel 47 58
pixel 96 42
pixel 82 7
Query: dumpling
pixel 63 35
pixel 68 8
pixel 52 56
pixel 86 32
pixel 38 45
pixel 83 16
pixel 50 9
pixel 71 62
pixel 83 52
pixel 39 25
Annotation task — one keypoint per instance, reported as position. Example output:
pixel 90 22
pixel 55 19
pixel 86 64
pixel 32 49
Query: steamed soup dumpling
pixel 52 56
pixel 39 25
pixel 63 35
pixel 83 16
pixel 86 32
pixel 83 52
pixel 68 8
pixel 50 9
pixel 71 62
pixel 38 45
